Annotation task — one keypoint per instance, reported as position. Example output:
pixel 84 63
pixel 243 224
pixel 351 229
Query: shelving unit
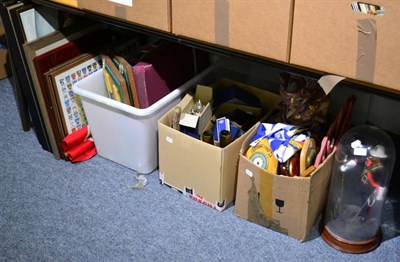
pixel 213 48
pixel 357 86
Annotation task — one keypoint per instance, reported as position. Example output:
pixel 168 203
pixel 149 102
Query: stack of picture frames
pixel 70 116
pixel 20 21
pixel 59 58
pixel 47 65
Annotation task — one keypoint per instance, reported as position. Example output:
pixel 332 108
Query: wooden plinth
pixel 347 246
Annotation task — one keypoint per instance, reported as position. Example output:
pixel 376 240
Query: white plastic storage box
pixel 122 133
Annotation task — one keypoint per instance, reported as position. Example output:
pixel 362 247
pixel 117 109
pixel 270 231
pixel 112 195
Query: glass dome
pixel 361 175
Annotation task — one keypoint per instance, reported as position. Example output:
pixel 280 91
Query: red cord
pixel 372 181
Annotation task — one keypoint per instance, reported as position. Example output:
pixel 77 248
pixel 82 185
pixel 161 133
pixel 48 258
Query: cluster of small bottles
pixel 225 137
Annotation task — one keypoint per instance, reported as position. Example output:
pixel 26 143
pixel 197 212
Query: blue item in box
pixel 221 124
pixel 235 131
pixel 236 95
pixel 193 132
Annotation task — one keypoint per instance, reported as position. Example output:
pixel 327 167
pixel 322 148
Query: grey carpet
pixel 58 211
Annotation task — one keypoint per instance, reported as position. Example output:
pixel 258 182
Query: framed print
pixel 68 107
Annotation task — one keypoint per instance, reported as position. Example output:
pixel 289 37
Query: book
pixel 150 85
pixel 165 67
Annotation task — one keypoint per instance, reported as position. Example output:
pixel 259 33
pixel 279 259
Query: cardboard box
pixel 290 205
pixel 329 36
pixel 155 13
pixel 72 3
pixel 203 172
pixel 257 27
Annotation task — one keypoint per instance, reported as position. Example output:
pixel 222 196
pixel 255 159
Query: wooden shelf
pixel 217 49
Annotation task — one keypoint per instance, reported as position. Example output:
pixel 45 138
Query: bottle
pixel 176 116
pixel 208 137
pixel 224 138
pixel 199 107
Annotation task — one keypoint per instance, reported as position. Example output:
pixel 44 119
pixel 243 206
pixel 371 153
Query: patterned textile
pixel 285 140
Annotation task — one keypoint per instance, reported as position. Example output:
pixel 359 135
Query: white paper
pixel 28 24
pixel 36 25
pixel 328 82
pixel 46 23
pixel 169 139
pixel 123 2
pixel 360 151
pixel 249 173
pixel 189 120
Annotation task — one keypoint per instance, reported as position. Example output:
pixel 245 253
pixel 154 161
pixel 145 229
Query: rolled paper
pixel 81 149
pixel 86 155
pixel 75 138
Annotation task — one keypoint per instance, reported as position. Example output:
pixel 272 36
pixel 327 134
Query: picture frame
pixel 70 115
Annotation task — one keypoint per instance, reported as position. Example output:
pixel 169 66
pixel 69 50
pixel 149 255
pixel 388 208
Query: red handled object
pixel 335 131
